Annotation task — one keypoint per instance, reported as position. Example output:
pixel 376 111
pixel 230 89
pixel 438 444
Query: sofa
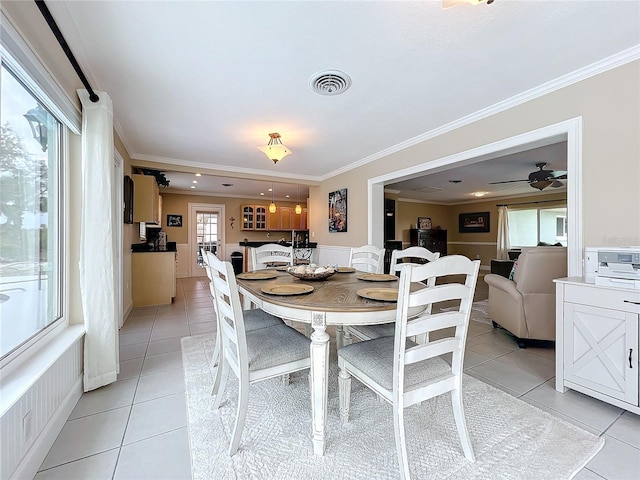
pixel 526 305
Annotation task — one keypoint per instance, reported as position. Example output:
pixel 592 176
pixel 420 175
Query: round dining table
pixel 332 301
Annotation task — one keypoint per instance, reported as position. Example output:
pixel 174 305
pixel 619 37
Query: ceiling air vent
pixel 330 82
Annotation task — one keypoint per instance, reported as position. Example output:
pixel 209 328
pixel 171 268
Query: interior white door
pixel 206 231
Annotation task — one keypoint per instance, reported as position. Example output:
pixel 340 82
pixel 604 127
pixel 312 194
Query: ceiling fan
pixel 541 178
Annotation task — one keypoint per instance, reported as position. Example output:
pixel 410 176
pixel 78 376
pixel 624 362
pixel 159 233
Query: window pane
pixel 207 233
pixel 30 274
pixel 553 225
pixel 523 228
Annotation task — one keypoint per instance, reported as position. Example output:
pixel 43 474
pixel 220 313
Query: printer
pixel 618 267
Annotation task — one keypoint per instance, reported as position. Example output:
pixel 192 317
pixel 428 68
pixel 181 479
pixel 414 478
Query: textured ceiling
pixel 202 84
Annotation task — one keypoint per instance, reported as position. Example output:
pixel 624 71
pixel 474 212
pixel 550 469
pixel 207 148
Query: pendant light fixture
pixel 272 206
pixel 298 209
pixel 275 150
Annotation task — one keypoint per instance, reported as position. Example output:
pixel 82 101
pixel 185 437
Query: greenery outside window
pixel 31 285
pixel 528 227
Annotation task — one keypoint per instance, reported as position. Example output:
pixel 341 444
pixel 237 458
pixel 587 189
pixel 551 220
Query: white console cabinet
pixel 597 341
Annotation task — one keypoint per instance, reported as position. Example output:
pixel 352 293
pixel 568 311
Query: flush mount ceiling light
pixel 453 3
pixel 330 82
pixel 275 150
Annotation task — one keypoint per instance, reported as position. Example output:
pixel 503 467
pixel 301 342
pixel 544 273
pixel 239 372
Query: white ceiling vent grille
pixel 330 82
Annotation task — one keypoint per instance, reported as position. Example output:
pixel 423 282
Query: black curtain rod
pixel 65 46
pixel 528 203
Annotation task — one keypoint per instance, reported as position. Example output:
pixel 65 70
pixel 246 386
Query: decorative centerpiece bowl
pixel 311 272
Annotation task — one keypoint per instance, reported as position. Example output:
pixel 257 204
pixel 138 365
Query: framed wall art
pixel 174 220
pixel 424 222
pixel 473 222
pixel 338 211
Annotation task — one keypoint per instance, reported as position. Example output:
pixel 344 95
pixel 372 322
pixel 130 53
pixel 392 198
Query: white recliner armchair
pixel 526 306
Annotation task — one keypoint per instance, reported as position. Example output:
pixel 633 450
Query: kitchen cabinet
pixel 258 217
pixel 281 219
pixel 146 199
pixel 597 341
pixel 298 222
pixel 431 239
pixel 153 276
pixel 254 217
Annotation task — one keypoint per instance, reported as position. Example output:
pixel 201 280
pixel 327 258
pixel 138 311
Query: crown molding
pixel 609 63
pixel 221 169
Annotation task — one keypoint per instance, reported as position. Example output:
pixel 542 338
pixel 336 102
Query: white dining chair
pixel 262 257
pixel 410 253
pixel 369 332
pixel 405 373
pixel 370 259
pixel 254 319
pixel 367 258
pixel 252 356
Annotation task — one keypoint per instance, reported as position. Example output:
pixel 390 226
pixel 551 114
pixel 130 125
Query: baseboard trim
pixel 28 467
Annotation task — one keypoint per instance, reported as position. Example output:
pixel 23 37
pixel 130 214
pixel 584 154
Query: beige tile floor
pixel 136 428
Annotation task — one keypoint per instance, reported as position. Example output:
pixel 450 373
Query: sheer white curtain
pixel 503 233
pixel 97 243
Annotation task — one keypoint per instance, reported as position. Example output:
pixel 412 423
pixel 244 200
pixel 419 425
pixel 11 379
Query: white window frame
pixel 24 64
pixel 538 210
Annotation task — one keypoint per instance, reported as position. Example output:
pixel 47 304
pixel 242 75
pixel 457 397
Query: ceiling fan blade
pixel 508 181
pixel 556 184
pixel 559 174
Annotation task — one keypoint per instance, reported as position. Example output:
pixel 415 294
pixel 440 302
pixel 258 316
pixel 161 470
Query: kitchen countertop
pixel 144 248
pixel 287 244
pixel 153 251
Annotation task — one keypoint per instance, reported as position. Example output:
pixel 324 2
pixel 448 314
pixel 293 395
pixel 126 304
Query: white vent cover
pixel 330 82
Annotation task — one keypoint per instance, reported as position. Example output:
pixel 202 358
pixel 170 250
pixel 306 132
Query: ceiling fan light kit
pixel 275 150
pixel 541 178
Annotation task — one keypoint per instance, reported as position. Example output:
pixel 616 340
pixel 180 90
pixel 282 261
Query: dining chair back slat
pixel 410 253
pixel 367 258
pixel 272 253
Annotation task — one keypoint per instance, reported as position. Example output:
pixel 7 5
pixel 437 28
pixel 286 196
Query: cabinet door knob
pixel 630 355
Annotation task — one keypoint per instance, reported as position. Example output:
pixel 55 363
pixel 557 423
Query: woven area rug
pixel 511 439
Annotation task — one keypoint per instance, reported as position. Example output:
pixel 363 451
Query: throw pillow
pixel 512 274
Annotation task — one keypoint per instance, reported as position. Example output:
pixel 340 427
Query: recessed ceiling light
pixel 194 181
pixel 227 184
pixel 286 196
pixel 193 186
pixel 479 194
pixel 198 174
pixel 262 193
pixel 455 181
